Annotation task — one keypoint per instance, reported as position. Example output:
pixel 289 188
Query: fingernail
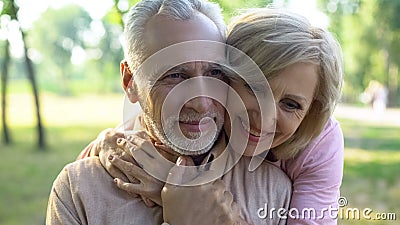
pixel 115 180
pixel 110 157
pixel 180 161
pixel 120 141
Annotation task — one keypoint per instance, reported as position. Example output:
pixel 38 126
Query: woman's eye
pixel 290 104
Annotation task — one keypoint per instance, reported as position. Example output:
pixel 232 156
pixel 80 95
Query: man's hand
pixel 209 203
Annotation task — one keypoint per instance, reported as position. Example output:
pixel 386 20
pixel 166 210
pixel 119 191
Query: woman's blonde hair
pixel 276 39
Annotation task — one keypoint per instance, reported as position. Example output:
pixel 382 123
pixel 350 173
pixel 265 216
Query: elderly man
pixel 84 193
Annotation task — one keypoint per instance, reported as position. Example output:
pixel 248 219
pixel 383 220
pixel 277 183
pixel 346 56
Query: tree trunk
pixel 4 79
pixel 393 85
pixel 32 79
pixel 120 13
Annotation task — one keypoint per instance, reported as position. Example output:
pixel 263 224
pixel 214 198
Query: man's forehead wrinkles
pixel 204 65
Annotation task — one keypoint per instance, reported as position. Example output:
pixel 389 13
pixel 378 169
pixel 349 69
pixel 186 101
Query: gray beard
pixel 197 143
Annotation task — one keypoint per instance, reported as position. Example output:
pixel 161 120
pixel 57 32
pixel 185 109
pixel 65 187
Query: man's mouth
pixel 196 125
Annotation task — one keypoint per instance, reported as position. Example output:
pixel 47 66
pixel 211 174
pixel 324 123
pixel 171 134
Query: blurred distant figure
pixel 377 95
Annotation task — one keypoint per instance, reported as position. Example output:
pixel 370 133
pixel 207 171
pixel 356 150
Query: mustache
pixel 194 116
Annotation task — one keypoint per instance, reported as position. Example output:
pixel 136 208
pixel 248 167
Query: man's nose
pixel 201 104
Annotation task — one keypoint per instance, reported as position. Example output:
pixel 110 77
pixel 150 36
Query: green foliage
pixel 63 35
pixel 369 32
pixel 9 8
pixel 231 7
pixel 97 41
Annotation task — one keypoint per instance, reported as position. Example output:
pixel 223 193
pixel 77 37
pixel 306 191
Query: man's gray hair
pixel 135 46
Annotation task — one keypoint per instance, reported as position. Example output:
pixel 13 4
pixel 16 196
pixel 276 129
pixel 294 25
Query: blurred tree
pixel 369 32
pixel 4 82
pixel 231 7
pixel 60 40
pixel 389 34
pixel 11 9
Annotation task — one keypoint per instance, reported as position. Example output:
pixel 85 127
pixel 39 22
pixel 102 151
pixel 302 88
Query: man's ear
pixel 127 82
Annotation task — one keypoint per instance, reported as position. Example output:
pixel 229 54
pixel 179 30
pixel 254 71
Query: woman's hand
pixel 116 155
pixel 208 203
pixel 106 145
pixel 147 186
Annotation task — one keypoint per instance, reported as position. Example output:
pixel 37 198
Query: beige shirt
pixel 84 193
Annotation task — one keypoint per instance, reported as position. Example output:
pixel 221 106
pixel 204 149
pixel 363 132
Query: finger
pixel 219 184
pixel 149 203
pixel 110 135
pixel 184 173
pixel 190 170
pixel 143 144
pixel 112 170
pixel 105 133
pixel 128 187
pixel 127 148
pixel 188 161
pixel 138 189
pixel 235 208
pixel 161 146
pixel 175 174
pixel 228 197
pixel 152 161
pixel 142 150
pixel 126 145
pixel 131 170
pixel 141 134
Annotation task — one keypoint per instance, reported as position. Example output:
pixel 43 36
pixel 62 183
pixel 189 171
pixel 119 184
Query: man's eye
pixel 173 76
pixel 216 72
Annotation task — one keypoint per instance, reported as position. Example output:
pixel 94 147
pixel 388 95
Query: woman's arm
pixel 317 176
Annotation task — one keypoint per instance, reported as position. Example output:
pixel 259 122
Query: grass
pixel 372 164
pixel 27 173
pixel 372 157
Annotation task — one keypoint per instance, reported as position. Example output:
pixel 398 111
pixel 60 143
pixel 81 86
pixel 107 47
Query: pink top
pixel 317 174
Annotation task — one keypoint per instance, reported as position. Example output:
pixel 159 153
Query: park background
pixel 60 60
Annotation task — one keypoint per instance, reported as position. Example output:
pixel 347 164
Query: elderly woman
pixel 303 66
